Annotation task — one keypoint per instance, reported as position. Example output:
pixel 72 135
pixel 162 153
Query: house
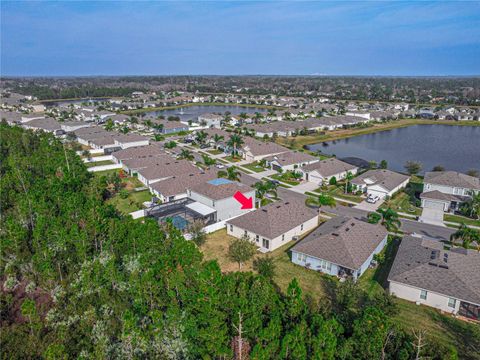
pixel 254 150
pixel 447 190
pixel 218 195
pixel 169 127
pixel 322 171
pixel 210 120
pixel 125 141
pixel 47 124
pixel 274 225
pixel 381 182
pixel 290 160
pixel 137 152
pixel 342 247
pixel 175 188
pixel 425 273
pixel 159 168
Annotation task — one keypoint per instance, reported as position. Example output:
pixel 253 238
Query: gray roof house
pixel 274 225
pixel 290 160
pixel 445 191
pixel 322 171
pixel 341 247
pixel 217 194
pixel 381 182
pixel 425 273
pixel 254 150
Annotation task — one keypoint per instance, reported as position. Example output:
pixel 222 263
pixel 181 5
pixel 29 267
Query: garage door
pixel 433 205
pixel 380 194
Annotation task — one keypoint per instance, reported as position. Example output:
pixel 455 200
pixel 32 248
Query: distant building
pixel 381 182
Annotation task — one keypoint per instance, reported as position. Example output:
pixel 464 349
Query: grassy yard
pixel 338 191
pixel 448 330
pixel 106 172
pixel 461 219
pixel 133 202
pixel 215 152
pixel 98 163
pixel 255 166
pixel 313 283
pixel 233 159
pixel 401 203
pixel 286 178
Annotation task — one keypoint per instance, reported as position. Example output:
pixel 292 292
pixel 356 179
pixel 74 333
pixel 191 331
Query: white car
pixel 220 166
pixel 372 199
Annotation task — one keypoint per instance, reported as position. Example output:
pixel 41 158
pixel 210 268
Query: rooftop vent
pixel 334 234
pixel 443 266
pixel 432 263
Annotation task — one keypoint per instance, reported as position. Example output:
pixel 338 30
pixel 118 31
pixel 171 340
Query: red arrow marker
pixel 247 203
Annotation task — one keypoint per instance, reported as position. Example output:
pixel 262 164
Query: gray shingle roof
pixel 139 152
pixel 343 241
pixel 329 167
pixel 452 178
pixel 222 191
pixel 385 178
pixel 291 158
pixel 437 195
pixel 275 219
pixel 179 184
pixel 259 148
pixel 459 276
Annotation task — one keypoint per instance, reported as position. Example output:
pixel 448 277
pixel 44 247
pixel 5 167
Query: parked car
pixel 372 199
pixel 220 166
pixel 204 146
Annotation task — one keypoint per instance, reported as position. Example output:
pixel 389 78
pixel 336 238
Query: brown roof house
pixel 425 273
pixel 322 171
pixel 274 225
pixel 254 150
pixel 341 247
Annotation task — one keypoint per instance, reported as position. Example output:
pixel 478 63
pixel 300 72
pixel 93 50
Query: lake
pixel 454 147
pixel 192 112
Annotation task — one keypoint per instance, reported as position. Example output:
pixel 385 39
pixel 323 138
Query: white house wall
pixel 433 299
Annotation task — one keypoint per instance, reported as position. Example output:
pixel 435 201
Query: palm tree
pixel 208 160
pixel 321 200
pixel 231 174
pixel 257 117
pixel 474 205
pixel 235 142
pixel 216 139
pixel 389 219
pixel 348 178
pixel 186 154
pixel 243 116
pixel 201 136
pixel 265 187
pixel 467 235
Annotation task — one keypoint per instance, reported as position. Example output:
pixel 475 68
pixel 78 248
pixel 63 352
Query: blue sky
pixel 304 38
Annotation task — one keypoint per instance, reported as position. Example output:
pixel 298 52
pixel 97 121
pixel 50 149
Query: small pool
pixel 179 222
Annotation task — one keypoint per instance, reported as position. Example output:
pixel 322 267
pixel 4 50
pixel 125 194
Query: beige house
pixel 322 171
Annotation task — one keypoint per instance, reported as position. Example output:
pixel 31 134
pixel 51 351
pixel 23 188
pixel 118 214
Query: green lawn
pixel 401 203
pixel 106 172
pixel 233 159
pixel 215 152
pixel 286 178
pixel 98 163
pixel 461 219
pixel 255 166
pixel 338 191
pixel 132 203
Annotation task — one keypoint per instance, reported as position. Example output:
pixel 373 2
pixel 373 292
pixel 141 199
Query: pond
pixel 192 112
pixel 451 146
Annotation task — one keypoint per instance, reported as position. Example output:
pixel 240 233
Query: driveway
pixel 364 205
pixel 432 216
pixel 304 187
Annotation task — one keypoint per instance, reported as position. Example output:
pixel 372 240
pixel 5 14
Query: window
pixel 452 303
pixel 245 233
pixel 257 238
pixel 423 294
pixel 301 257
pixel 213 203
pixel 265 243
pixel 283 237
pixel 231 227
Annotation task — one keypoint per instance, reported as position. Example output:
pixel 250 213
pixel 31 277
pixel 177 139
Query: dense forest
pixel 78 280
